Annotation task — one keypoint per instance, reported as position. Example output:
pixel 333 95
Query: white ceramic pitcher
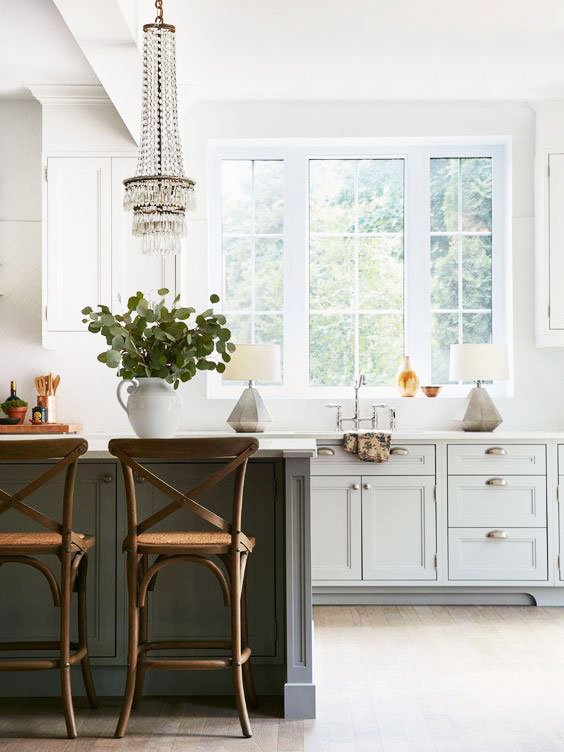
pixel 154 407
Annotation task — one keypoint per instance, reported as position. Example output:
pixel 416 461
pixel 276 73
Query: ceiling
pixel 38 48
pixel 285 49
pixel 366 49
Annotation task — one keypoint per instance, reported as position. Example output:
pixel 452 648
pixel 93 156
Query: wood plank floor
pixel 390 679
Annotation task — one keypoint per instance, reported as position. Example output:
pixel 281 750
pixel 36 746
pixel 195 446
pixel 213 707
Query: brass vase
pixel 407 380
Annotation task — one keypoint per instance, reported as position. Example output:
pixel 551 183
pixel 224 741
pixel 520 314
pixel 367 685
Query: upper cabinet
pixel 89 256
pixel 549 225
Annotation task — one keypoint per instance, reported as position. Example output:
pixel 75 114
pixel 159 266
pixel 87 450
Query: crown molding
pixel 73 94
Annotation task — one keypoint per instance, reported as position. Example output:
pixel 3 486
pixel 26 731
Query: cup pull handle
pixel 326 451
pixel 496 482
pixel 496 450
pixel 498 534
pixel 400 451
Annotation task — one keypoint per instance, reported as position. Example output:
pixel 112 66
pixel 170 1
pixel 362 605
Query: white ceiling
pixel 365 49
pixel 37 48
pixel 317 49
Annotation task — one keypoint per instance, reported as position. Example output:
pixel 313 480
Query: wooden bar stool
pixel 226 544
pixel 70 548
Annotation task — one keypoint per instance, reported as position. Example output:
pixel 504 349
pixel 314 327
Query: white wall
pixel 87 391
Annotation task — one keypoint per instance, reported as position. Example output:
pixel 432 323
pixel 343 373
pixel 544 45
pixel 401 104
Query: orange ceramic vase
pixel 407 380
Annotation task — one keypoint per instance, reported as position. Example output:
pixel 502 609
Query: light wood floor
pixel 390 679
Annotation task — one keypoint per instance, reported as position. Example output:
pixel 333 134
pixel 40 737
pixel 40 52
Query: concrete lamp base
pixel 479 412
pixel 250 414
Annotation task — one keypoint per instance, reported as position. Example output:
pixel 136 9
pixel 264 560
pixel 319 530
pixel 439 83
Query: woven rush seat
pixel 37 542
pixel 192 540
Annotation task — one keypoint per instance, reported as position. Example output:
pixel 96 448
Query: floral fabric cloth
pixel 370 446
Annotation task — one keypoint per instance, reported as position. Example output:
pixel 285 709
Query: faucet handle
pixel 339 420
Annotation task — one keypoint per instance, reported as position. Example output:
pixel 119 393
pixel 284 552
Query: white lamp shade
pixel 254 363
pixel 485 362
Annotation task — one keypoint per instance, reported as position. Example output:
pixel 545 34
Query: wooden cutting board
pixel 42 428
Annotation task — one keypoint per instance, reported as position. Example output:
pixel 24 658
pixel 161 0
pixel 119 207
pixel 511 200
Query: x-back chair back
pixel 61 540
pixel 226 540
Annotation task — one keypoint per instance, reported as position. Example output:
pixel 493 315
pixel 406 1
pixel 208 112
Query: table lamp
pixel 252 363
pixel 479 363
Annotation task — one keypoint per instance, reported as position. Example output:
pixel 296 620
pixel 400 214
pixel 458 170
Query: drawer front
pixel 475 555
pixel 498 501
pixel 405 459
pixel 496 459
pixel 561 459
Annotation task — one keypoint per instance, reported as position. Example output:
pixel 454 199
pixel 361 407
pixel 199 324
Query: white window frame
pixel 417 153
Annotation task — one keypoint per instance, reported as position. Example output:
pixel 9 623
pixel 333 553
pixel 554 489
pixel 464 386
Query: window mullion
pixel 417 262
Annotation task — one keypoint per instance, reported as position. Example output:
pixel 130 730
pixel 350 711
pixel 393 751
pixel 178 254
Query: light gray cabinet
pixel 27 611
pixel 399 539
pixel 336 527
pixel 373 527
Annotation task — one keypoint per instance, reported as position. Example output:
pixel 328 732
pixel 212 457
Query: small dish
pixel 9 421
pixel 431 391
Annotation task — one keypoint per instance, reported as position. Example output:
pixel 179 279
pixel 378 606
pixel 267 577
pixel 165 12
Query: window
pixel 350 255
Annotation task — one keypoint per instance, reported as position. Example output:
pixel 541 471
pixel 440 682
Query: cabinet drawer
pixel 496 459
pixel 405 459
pixel 473 554
pixel 504 501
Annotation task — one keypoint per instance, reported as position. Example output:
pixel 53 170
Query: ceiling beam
pixel 105 38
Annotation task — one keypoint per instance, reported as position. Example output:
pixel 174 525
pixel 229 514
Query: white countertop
pixel 296 444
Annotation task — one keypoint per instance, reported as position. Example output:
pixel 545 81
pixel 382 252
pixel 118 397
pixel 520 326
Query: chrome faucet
pixel 357 419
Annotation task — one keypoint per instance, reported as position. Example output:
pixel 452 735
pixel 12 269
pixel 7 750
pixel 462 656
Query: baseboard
pixel 348 596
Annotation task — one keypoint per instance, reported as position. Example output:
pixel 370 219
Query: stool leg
pixel 66 688
pixel 247 669
pixel 83 633
pixel 132 566
pixel 143 634
pixel 235 577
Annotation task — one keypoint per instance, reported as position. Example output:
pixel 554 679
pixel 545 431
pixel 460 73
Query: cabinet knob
pixel 399 451
pixel 367 486
pixel 139 479
pixel 496 450
pixel 356 486
pixel 496 482
pixel 107 478
pixel 497 534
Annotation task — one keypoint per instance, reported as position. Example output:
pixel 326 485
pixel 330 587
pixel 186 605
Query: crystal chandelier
pixel 160 194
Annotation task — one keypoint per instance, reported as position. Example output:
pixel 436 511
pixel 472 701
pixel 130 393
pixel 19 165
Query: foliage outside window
pixel 349 255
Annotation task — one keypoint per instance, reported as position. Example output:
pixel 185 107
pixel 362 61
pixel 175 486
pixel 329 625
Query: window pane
pixel 237 265
pixel 380 195
pixel 269 196
pixel 331 349
pixel 444 195
pixel 477 271
pixel 331 195
pixel 444 271
pixel 236 196
pixel 240 326
pixel 269 330
pixel 331 273
pixel 269 274
pixel 380 347
pixel 476 328
pixel 380 272
pixel 444 333
pixel 476 178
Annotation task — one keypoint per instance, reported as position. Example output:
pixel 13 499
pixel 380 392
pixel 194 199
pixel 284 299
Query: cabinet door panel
pixel 336 528
pixel 398 528
pixel 27 611
pixel 187 601
pixel 132 270
pixel 78 239
pixel 556 239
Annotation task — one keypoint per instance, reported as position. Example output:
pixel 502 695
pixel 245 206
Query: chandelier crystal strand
pixel 159 195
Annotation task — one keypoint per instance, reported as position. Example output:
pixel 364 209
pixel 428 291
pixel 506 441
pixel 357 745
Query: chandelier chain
pixel 159 6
